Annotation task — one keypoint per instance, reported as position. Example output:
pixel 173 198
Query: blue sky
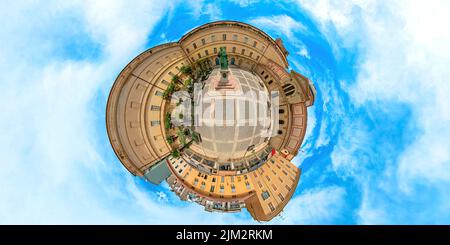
pixel 377 146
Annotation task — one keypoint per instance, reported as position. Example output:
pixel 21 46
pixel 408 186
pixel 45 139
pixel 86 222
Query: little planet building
pixel 217 115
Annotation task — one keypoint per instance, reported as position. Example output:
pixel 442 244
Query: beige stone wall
pixel 278 179
pixel 135 127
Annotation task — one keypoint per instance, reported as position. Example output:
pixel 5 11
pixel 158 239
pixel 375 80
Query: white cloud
pixel 199 8
pixel 244 3
pixel 404 58
pixel 213 11
pixel 314 206
pixel 303 52
pixel 334 16
pixel 282 24
pixel 333 12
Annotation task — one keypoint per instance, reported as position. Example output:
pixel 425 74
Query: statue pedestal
pixel 225 82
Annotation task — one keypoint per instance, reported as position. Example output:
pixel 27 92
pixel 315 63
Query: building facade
pixel 259 174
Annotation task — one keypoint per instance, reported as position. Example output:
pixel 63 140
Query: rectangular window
pixel 224 37
pixel 272 208
pixel 199 55
pixel 213 180
pixel 274 187
pixel 194 45
pixel 245 39
pixel 251 54
pixel 265 195
pixel 202 186
pixel 206 52
pixel 247 185
pixel 233 50
pixel 233 189
pixel 222 179
pixel 187 50
pixel 155 108
pixel 281 196
pixel 221 189
pixel 287 187
pixel 234 37
pixel 203 41
pixel 195 181
pixel 215 50
pixel 243 51
pixel 158 93
pixel 154 123
pixel 267 177
pixel 213 38
pixel 232 179
pixel 257 57
pixel 212 189
pixel 259 184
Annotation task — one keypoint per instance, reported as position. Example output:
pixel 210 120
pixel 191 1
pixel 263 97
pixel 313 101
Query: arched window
pixel 280 132
pixel 281 111
pixel 281 121
pixel 232 61
pixel 217 61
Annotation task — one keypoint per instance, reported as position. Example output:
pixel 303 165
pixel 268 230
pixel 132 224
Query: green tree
pixel 170 139
pixel 169 90
pixel 187 70
pixel 176 79
pixel 167 121
pixel 175 153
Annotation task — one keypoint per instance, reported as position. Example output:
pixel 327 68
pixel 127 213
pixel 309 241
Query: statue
pixel 224 82
pixel 223 59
